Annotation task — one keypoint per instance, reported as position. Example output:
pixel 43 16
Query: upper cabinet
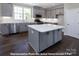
pixel 48 13
pixel 6 9
pixel 38 10
pixel 56 10
pixel 59 11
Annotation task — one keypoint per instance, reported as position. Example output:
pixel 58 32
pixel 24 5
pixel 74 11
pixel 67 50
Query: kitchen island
pixel 44 35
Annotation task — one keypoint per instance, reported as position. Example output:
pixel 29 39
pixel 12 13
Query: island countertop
pixel 45 27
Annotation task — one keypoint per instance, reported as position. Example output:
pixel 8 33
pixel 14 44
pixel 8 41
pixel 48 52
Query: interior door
pixel 71 23
pixel 76 23
pixel 68 23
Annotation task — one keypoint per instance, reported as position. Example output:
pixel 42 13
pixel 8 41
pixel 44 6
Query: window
pixel 27 13
pixel 22 13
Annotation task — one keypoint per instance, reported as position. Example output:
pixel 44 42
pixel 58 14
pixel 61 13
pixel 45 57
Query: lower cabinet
pixel 4 29
pixel 13 28
pixel 46 40
pixel 21 27
pixel 57 35
pixel 17 27
pixel 33 39
pixel 7 29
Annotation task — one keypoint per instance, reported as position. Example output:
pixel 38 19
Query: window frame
pixel 22 12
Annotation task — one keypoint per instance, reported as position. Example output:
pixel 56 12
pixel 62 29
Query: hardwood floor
pixel 19 44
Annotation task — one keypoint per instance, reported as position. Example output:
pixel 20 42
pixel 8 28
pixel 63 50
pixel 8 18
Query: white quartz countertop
pixel 45 27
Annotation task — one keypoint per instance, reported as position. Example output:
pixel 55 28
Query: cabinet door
pixel 33 39
pixel 4 29
pixel 23 27
pixel 17 27
pixel 43 41
pixel 46 40
pixel 57 35
pixel 12 28
pixel 6 9
pixel 42 12
pixel 57 11
pixel 49 14
pixel 50 40
pixel 53 13
pixel 61 10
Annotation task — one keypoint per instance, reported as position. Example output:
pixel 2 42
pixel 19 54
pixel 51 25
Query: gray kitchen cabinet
pixel 41 37
pixel 33 39
pixel 7 29
pixel 12 28
pixel 46 40
pixel 52 12
pixel 17 27
pixel 50 40
pixel 23 27
pixel 38 10
pixel 6 9
pixel 48 12
pixel 42 40
pixel 59 10
pixel 57 35
pixel 4 29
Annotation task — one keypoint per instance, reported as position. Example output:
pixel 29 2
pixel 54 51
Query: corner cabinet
pixel 6 9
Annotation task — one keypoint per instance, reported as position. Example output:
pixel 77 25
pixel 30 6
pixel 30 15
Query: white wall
pixel 0 13
pixel 0 9
pixel 71 19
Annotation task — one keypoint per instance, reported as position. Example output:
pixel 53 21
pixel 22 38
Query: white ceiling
pixel 44 5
